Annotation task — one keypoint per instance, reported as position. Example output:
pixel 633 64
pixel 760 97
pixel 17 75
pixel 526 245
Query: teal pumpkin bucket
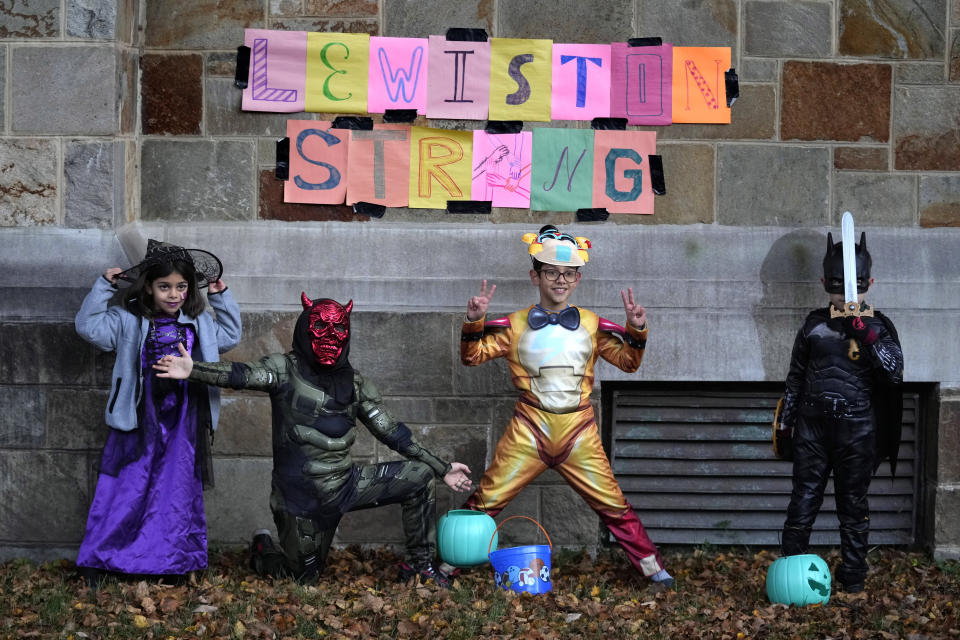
pixel 799 580
pixel 461 536
pixel 523 569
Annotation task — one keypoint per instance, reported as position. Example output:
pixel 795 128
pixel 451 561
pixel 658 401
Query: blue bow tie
pixel 569 318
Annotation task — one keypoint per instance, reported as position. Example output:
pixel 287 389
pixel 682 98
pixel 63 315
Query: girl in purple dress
pixel 147 516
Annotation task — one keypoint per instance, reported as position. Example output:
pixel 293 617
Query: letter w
pixel 395 83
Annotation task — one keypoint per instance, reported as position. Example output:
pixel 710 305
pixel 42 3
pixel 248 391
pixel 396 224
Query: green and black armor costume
pixel 315 480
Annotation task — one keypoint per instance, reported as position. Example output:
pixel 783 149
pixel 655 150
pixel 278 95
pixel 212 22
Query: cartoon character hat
pixel 833 265
pixel 208 266
pixel 550 246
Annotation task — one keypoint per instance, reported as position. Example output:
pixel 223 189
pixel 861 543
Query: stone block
pixel 588 21
pixel 286 8
pixel 331 8
pixel 239 502
pixel 892 28
pixel 130 86
pixel 947 517
pixel 410 352
pixel 955 57
pixel 753 117
pixel 423 18
pixel 224 116
pixel 940 201
pixel 877 200
pixel 44 354
pixel 490 378
pixel 221 63
pixel 948 443
pixel 327 25
pixel 23 419
pixel 264 332
pixel 201 24
pixel 466 443
pixel 861 158
pixel 704 24
pixel 46 496
pixel 689 177
pixel 567 518
pixel 825 101
pixel 521 531
pixel 75 419
pixel 92 19
pixel 197 180
pixel 759 70
pixel 245 425
pixel 30 19
pixel 43 76
pixel 272 207
pixel 94 184
pixel 925 132
pixel 454 410
pixel 764 185
pixel 172 90
pixel 379 526
pixel 413 410
pixel 28 184
pixel 3 79
pixel 919 73
pixel 796 29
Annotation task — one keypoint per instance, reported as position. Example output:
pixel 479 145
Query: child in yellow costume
pixel 552 348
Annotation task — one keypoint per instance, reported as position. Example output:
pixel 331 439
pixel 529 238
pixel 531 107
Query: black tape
pixel 399 115
pixel 358 123
pixel 609 123
pixel 460 34
pixel 469 206
pixel 645 42
pixel 592 215
pixel 243 67
pixel 733 85
pixel 369 209
pixel 656 175
pixel 504 126
pixel 283 159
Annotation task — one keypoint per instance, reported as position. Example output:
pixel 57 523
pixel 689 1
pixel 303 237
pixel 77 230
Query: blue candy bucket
pixel 525 568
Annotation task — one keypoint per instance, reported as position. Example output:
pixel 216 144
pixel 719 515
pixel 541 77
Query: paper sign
pixel 520 79
pixel 501 168
pixel 641 85
pixel 278 70
pixel 581 82
pixel 458 80
pixel 379 166
pixel 337 66
pixel 439 166
pixel 699 87
pixel 621 170
pixel 398 74
pixel 562 169
pixel 318 162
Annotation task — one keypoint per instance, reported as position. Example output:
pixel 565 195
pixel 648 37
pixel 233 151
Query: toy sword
pixel 851 305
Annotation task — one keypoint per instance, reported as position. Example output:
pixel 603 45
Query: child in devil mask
pixel 841 387
pixel 316 397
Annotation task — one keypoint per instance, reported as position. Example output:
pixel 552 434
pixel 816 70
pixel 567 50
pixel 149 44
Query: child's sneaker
pixel 426 573
pixel 661 581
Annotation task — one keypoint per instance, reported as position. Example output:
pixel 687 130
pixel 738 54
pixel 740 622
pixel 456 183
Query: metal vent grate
pixel 695 462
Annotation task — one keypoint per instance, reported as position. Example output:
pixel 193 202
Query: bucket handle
pixel 506 520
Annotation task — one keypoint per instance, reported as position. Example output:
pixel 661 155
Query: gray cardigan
pixel 116 329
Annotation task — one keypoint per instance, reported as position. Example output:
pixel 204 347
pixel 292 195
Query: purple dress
pixel 147 514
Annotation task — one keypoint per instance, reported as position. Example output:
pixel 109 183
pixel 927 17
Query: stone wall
pixel 120 122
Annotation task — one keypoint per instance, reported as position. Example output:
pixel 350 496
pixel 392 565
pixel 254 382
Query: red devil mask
pixel 329 328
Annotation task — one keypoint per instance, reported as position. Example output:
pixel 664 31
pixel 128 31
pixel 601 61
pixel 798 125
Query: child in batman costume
pixel 841 413
pixel 316 396
pixel 551 348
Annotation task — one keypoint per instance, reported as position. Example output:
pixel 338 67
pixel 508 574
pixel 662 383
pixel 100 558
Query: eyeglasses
pixel 552 275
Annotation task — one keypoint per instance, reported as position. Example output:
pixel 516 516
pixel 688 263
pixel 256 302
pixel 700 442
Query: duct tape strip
pixel 504 126
pixel 243 67
pixel 609 123
pixel 733 85
pixel 656 175
pixel 369 209
pixel 466 35
pixel 399 115
pixel 358 123
pixel 283 159
pixel 592 215
pixel 469 206
pixel 645 42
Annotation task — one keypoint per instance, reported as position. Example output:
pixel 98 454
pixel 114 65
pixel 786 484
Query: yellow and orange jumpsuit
pixel 553 425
